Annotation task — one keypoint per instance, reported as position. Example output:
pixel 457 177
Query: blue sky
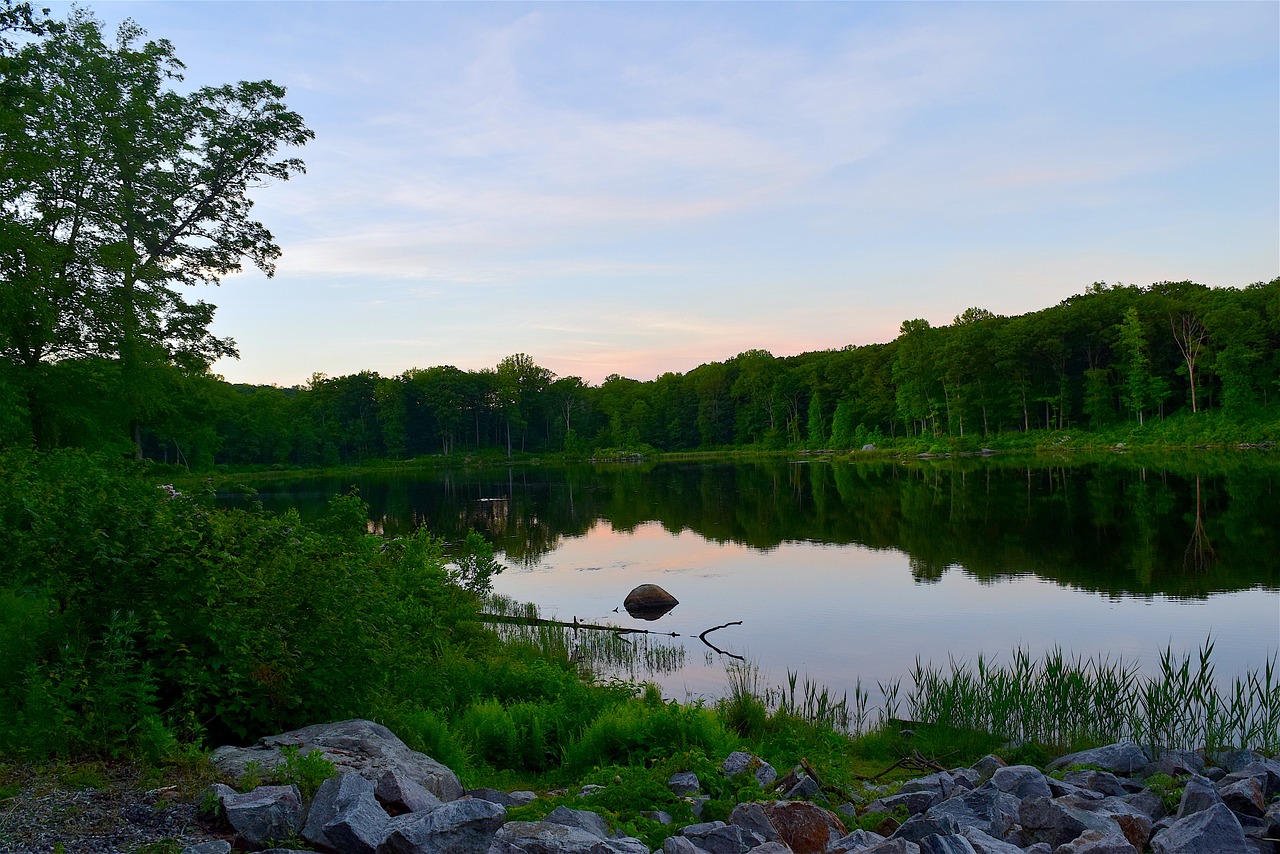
pixel 640 188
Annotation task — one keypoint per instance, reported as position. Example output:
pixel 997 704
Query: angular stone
pixel 333 794
pixel 684 783
pixel 752 817
pixel 497 796
pixel 1265 771
pixel 987 765
pixel 1021 781
pixel 1214 830
pixel 216 846
pixel 804 789
pixel 725 839
pixel 359 826
pixel 916 828
pixel 1124 758
pixel 1148 803
pixel 967 778
pixel 1199 794
pixel 211 810
pixel 1272 821
pixel 952 844
pixel 805 827
pixel 457 827
pixel 915 803
pixel 399 793
pixel 984 843
pixel 1233 760
pixel 1103 782
pixel 673 845
pixel 854 843
pixel 941 782
pixel 740 762
pixel 1059 821
pixel 362 746
pixel 543 837
pixel 986 808
pixel 1134 824
pixel 589 790
pixel 1244 797
pixel 659 816
pixel 1061 788
pixel 586 820
pixel 893 846
pixel 771 848
pixel 266 813
pixel 1175 763
pixel 1095 842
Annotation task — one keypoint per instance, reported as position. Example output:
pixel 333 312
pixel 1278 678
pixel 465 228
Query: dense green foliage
pixel 1116 362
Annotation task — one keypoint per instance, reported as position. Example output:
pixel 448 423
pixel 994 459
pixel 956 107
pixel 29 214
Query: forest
pixel 1113 355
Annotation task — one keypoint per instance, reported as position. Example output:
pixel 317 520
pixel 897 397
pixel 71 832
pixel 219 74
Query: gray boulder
pixel 951 844
pixel 1103 782
pixel 1233 760
pixel 984 843
pixel 399 793
pixel 986 808
pixel 684 783
pixel 457 827
pixel 333 794
pixel 915 803
pixel 1265 771
pixel 1210 831
pixel 941 783
pixel 771 848
pixel 1124 758
pixel 359 826
pixel 987 765
pixel 265 814
pixel 506 799
pixel 752 817
pixel 649 602
pixel 1094 842
pixel 1198 794
pixel 1021 781
pixel 216 846
pixel 724 839
pixel 592 823
pixel 1059 821
pixel 362 746
pixel 740 762
pixel 542 837
pixel 1175 763
pixel 856 842
pixel 893 846
pixel 211 808
pixel 1244 797
pixel 679 845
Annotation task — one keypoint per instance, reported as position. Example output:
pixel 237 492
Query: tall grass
pixel 1061 700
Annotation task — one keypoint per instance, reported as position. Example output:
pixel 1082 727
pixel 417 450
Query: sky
pixel 636 188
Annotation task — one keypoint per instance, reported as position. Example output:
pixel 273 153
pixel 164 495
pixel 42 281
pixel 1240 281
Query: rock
pixel 333 794
pixel 986 844
pixel 1124 758
pixel 506 799
pixel 858 841
pixel 1133 823
pixel 986 808
pixel 1265 771
pixel 725 839
pixel 1103 782
pixel 362 746
pixel 804 789
pixel 868 447
pixel 1148 803
pixel 542 837
pixel 952 844
pixel 941 783
pixel 589 790
pixel 1199 794
pixel 216 846
pixel 1244 797
pixel 752 817
pixel 1061 788
pixel 359 826
pixel 806 828
pixel 457 827
pixel 586 820
pixel 1175 763
pixel 967 778
pixel 916 828
pixel 1095 842
pixel 265 814
pixel 673 845
pixel 1021 781
pixel 914 802
pixel 893 846
pixel 649 602
pixel 684 783
pixel 399 793
pixel 987 765
pixel 211 808
pixel 1272 820
pixel 740 762
pixel 1059 821
pixel 1233 760
pixel 659 816
pixel 1214 830
pixel 771 848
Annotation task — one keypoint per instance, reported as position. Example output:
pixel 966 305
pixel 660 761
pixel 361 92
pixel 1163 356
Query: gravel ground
pixel 114 814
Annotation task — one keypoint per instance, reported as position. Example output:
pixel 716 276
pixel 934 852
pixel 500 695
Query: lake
pixel 846 571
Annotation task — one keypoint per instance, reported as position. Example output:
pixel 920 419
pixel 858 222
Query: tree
pixel 114 189
pixel 520 382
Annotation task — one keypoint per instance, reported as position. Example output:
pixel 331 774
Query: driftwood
pixel 915 762
pixel 703 637
pixel 576 624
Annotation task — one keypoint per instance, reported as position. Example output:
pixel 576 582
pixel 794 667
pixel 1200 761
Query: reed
pixel 599 652
pixel 1062 700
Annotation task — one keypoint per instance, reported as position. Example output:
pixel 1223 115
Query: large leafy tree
pixel 115 189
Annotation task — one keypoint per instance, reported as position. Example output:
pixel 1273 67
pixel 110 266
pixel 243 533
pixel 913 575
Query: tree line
pixel 1110 355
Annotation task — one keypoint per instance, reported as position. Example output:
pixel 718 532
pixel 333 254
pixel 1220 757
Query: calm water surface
pixel 851 571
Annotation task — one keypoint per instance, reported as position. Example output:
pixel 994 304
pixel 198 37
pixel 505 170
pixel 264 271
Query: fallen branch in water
pixel 703 637
pixel 539 621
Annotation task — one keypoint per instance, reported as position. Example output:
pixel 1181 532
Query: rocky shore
pixel 388 799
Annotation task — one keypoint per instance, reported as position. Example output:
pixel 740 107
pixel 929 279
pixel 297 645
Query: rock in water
pixel 649 602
